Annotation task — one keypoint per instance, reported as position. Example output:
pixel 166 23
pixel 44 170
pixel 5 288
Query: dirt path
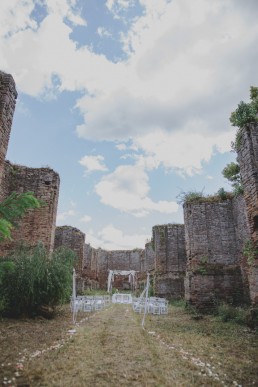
pixel 109 348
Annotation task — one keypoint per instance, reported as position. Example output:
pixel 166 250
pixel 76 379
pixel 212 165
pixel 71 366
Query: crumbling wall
pixel 248 162
pixel 73 239
pixel 149 258
pixel 170 260
pixel 100 261
pixel 37 224
pixel 242 236
pixel 213 270
pixel 8 97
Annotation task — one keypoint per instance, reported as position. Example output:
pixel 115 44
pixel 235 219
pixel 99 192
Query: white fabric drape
pixel 112 273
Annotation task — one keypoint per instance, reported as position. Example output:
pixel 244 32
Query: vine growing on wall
pixel 250 251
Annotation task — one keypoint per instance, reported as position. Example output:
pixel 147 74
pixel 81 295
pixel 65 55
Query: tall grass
pixel 30 278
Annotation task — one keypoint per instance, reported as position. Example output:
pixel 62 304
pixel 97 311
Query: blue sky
pixel 128 100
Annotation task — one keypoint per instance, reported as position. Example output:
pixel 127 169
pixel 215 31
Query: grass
pixel 110 348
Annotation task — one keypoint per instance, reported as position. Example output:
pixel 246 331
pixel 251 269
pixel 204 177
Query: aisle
pixel 110 349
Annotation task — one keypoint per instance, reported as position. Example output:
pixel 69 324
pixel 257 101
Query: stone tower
pixel 248 162
pixel 8 97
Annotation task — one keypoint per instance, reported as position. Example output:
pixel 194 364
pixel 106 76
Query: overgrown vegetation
pixel 246 112
pixel 250 251
pixel 199 197
pixel 13 208
pixel 31 279
pixel 232 173
pixel 226 312
pixel 189 197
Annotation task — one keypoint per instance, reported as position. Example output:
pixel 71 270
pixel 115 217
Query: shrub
pixel 226 313
pixel 31 279
pixel 223 195
pixel 244 114
pixel 188 197
pixel 14 208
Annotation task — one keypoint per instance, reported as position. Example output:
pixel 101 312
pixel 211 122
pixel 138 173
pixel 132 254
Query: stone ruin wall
pixel 248 162
pixel 170 260
pixel 97 262
pixel 148 262
pixel 8 95
pixel 214 233
pixel 74 239
pixel 37 224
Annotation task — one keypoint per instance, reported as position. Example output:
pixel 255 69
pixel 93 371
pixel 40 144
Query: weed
pixel 250 251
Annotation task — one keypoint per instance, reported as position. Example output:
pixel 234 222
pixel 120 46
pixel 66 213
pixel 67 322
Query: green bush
pixel 30 278
pixel 189 197
pixel 250 251
pixel 226 313
pixel 244 114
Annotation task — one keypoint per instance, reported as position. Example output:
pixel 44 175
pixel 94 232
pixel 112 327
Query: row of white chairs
pixel 155 305
pixel 89 303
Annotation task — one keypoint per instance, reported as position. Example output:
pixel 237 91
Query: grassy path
pixel 110 348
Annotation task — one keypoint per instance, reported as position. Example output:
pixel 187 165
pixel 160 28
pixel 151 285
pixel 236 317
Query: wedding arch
pixel 130 273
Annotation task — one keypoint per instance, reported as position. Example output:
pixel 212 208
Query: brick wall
pixel 73 239
pixel 39 224
pixel 170 260
pixel 248 162
pixel 100 261
pixel 149 259
pixel 213 236
pixel 8 97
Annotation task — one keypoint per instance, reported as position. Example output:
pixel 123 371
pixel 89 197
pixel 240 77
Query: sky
pixel 129 101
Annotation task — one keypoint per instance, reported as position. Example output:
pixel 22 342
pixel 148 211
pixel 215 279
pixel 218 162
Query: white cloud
pixel 66 9
pixel 127 188
pixel 112 238
pixel 116 7
pixel 103 32
pixel 93 163
pixel 184 151
pixel 121 147
pixel 189 64
pixel 10 21
pixel 86 219
pixel 63 216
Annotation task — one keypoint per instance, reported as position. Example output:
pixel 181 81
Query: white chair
pixel 87 306
pixel 99 304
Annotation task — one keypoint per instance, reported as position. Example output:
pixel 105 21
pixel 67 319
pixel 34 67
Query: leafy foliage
pixel 13 208
pixel 226 313
pixel 250 251
pixel 232 173
pixel 199 197
pixel 188 197
pixel 223 195
pixel 30 279
pixel 244 114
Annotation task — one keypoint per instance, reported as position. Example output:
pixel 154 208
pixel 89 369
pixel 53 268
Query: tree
pixel 14 208
pixel 232 173
pixel 246 112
